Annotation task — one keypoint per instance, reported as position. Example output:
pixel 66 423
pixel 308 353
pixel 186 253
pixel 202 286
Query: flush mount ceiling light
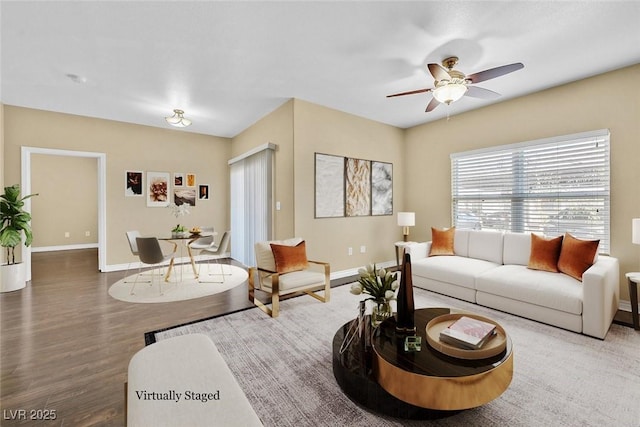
pixel 178 120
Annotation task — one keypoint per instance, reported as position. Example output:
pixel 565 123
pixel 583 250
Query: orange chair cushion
pixel 577 255
pixel 442 241
pixel 544 253
pixel 290 258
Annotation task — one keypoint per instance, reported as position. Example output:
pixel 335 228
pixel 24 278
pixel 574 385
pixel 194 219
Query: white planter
pixel 12 277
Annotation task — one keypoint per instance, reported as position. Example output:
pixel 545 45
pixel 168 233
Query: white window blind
pixel 549 186
pixel 251 202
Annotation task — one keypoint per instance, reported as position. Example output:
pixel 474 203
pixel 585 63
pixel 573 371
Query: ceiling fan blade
pixel 411 92
pixel 482 93
pixel 492 73
pixel 432 105
pixel 438 72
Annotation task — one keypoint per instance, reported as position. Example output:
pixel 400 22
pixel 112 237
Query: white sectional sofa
pixel 490 268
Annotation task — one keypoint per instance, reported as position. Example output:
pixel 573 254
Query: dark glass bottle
pixel 406 308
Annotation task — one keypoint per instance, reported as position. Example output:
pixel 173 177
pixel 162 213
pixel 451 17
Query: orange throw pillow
pixel 442 241
pixel 544 253
pixel 290 258
pixel 577 256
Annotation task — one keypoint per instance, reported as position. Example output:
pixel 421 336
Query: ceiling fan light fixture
pixel 178 120
pixel 449 92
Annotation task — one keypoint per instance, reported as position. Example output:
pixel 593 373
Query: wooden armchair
pixel 282 269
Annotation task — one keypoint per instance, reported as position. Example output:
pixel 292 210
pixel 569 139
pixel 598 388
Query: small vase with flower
pixel 381 286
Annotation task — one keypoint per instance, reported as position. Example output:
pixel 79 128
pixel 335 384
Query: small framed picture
pixel 186 196
pixel 158 189
pixel 191 180
pixel 133 184
pixel 203 192
pixel 178 179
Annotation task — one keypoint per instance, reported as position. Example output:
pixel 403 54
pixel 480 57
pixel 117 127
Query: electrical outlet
pixel 87 233
pixel 350 251
pixel 67 234
pixel 363 249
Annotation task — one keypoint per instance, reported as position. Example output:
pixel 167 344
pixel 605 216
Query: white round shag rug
pixel 182 284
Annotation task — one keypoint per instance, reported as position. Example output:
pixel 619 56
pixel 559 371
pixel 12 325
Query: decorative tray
pixel 493 347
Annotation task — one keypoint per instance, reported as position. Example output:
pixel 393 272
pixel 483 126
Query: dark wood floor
pixel 66 344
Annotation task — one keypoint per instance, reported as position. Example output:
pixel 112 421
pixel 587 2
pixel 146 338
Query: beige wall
pixel 328 131
pixel 301 129
pixel 420 158
pixel 127 147
pixel 590 104
pixel 67 200
pixel 275 128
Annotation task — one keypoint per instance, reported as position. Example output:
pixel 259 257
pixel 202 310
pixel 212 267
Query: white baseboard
pixel 64 247
pixel 334 274
pixel 354 271
pixel 138 264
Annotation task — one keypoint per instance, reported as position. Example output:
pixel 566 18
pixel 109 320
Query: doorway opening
pixel 26 181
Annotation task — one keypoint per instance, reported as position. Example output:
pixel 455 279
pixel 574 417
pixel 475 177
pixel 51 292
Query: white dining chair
pixel 216 252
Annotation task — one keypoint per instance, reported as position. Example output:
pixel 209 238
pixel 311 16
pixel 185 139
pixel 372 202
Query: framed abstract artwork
pixel 203 192
pixel 178 179
pixel 184 196
pixel 350 187
pixel 134 184
pixel 329 188
pixel 381 188
pixel 158 189
pixel 357 187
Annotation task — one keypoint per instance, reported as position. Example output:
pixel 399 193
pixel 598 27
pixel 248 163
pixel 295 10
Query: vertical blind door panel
pixel 251 204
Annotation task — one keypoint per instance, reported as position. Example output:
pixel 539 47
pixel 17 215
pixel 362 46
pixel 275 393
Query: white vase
pixel 12 277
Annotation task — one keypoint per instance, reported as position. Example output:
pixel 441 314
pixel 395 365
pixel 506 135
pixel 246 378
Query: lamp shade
pixel 635 231
pixel 406 219
pixel 449 93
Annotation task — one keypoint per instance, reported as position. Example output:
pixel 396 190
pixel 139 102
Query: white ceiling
pixel 228 64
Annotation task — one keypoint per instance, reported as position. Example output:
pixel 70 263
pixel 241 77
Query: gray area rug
pixel 560 378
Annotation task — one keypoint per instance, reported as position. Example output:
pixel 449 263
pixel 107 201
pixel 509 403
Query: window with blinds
pixel 549 186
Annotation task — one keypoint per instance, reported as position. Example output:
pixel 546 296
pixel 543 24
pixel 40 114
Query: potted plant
pixel 381 286
pixel 178 211
pixel 14 221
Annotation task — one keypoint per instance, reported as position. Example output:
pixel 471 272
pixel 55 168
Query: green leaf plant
pixel 14 221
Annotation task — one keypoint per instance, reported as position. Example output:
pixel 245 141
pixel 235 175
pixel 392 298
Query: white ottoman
pixel 184 381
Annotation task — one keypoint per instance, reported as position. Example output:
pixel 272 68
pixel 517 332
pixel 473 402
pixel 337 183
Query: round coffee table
pixel 380 375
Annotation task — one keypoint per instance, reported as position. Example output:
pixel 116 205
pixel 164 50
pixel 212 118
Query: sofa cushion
pixel 264 254
pixel 461 242
pixel 517 248
pixel 290 258
pixel 442 241
pixel 486 245
pixel 545 253
pixel 455 269
pixel 543 288
pixel 294 281
pixel 577 255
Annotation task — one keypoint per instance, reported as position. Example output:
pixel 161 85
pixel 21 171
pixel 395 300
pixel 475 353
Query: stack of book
pixel 468 333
